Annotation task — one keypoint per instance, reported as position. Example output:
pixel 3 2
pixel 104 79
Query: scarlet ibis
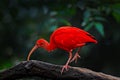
pixel 66 38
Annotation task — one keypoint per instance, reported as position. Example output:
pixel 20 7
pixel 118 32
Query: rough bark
pixel 46 70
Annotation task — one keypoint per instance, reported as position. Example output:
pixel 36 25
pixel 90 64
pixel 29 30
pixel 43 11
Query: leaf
pixel 99 18
pixel 87 13
pixel 65 22
pixel 116 6
pixel 81 4
pixel 116 16
pixel 116 11
pixel 53 27
pixel 86 17
pixel 99 27
pixel 89 26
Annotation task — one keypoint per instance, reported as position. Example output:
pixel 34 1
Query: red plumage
pixel 66 38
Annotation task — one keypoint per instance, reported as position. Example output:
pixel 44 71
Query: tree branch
pixel 51 71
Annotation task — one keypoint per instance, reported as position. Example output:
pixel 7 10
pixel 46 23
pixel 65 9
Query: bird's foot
pixel 75 58
pixel 65 67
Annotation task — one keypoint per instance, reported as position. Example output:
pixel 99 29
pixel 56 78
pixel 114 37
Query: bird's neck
pixel 49 47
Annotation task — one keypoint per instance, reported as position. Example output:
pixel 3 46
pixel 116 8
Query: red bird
pixel 66 38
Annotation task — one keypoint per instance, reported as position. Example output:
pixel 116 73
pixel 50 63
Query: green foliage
pixel 99 27
pixel 116 11
pixel 6 64
pixel 89 26
pixel 95 16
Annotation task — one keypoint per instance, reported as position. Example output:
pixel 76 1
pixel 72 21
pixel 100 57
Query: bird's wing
pixel 70 37
pixel 65 41
pixel 75 33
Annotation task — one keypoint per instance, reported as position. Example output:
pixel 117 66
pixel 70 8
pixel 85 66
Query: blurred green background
pixel 22 22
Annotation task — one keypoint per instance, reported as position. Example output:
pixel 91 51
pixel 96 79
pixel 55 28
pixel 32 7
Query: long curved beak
pixel 32 50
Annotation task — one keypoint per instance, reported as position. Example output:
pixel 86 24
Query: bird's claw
pixel 64 67
pixel 75 58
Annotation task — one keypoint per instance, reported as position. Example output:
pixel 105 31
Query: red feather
pixel 68 38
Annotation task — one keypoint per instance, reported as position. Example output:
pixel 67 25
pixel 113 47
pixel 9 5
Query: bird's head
pixel 41 43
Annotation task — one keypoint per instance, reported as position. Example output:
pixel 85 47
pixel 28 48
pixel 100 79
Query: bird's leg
pixel 76 56
pixel 68 61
